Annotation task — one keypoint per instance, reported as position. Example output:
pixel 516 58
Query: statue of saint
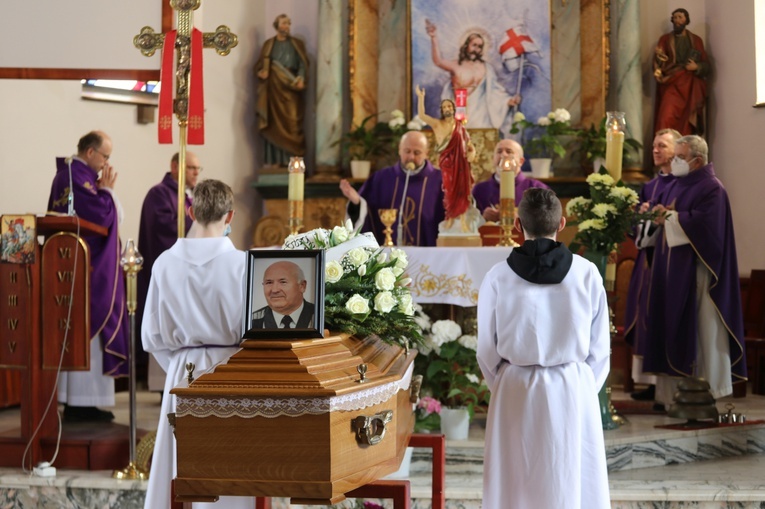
pixel 281 73
pixel 680 67
pixel 455 153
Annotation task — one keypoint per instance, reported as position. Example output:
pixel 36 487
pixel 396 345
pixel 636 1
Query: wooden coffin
pixel 291 418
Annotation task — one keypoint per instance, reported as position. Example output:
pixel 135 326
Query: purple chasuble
pixel 158 232
pixel 108 313
pixel 704 213
pixel 486 193
pixel 424 206
pixel 635 328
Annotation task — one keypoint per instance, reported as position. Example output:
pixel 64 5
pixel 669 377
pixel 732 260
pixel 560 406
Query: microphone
pixel 409 168
pixel 70 198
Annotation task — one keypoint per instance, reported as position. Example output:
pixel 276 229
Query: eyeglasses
pixel 106 158
pixel 194 168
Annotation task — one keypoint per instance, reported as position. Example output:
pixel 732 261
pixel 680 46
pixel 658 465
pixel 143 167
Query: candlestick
pixel 295 193
pixel 615 125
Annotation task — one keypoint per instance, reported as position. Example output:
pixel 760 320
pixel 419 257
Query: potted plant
pixel 541 140
pixel 592 146
pixel 452 384
pixel 366 142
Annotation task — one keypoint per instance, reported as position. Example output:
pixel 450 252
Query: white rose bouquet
pixel 366 291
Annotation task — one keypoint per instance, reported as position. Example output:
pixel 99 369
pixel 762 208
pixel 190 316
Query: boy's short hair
pixel 540 211
pixel 213 199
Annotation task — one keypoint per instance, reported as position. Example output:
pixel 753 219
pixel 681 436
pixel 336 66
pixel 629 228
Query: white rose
pixel 357 305
pixel 396 122
pixel 397 271
pixel 543 121
pixel 447 329
pixel 339 234
pixel 384 302
pixel 397 114
pixel 405 304
pixel 518 116
pixel 561 115
pixel 400 256
pixel 357 256
pixel 385 279
pixel 469 341
pixel 333 272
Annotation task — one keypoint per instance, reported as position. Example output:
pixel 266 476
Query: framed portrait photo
pixel 284 294
pixel 495 56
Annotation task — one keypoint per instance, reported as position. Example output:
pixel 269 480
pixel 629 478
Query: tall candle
pixel 295 186
pixel 507 179
pixel 614 150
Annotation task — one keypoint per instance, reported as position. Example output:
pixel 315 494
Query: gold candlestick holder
pixel 388 217
pixel 506 219
pixel 296 216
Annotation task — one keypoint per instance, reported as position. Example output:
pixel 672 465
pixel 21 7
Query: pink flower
pixel 430 405
pixel 372 505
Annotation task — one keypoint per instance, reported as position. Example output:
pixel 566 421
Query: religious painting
pixel 17 238
pixel 494 54
pixel 284 294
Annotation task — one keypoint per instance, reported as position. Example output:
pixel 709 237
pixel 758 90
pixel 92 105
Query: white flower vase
pixel 455 423
pixel 540 167
pixel 360 169
pixel 403 470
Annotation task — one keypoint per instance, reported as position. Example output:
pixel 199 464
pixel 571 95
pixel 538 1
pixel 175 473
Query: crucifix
pixel 186 42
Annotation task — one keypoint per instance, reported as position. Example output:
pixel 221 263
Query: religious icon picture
pixel 284 294
pixel 17 238
pixel 492 58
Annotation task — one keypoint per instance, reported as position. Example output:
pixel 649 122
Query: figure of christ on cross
pixel 455 153
pixel 186 43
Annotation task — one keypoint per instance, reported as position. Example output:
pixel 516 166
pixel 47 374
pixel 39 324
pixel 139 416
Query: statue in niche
pixel 281 73
pixel 681 68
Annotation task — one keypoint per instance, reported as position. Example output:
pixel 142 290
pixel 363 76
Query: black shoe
pixel 86 414
pixel 645 395
pixel 658 407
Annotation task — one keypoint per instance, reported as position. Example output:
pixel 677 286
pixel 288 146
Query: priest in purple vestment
pixel 412 187
pixel 93 199
pixel 486 193
pixel 635 314
pixel 158 231
pixel 695 322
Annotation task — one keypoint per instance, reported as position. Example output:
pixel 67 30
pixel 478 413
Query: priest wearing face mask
pixel 695 325
pixel 412 187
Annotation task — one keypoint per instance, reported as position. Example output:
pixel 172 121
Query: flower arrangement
pixel 451 375
pixel 542 138
pixel 380 140
pixel 605 218
pixel 365 291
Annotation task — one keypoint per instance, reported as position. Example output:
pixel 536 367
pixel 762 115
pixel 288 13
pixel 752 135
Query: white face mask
pixel 680 168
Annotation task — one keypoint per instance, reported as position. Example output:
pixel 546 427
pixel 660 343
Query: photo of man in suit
pixel 284 284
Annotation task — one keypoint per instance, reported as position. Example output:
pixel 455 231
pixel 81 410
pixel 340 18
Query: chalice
pixel 388 217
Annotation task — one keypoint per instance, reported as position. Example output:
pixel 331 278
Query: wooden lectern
pixel 35 317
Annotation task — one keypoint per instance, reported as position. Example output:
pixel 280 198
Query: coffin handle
pixel 414 388
pixel 371 430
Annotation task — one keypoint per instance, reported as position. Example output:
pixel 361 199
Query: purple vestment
pixel 424 203
pixel 157 233
pixel 635 326
pixel 486 193
pixel 108 314
pixel 704 214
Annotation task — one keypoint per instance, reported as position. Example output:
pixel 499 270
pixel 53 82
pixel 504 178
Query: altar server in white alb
pixel 543 347
pixel 193 314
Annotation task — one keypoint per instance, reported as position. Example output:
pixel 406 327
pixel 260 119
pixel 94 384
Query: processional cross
pixel 188 105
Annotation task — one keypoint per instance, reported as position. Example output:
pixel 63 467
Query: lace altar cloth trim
pixel 291 407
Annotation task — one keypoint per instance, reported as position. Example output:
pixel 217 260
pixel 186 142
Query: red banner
pixel 196 113
pixel 165 122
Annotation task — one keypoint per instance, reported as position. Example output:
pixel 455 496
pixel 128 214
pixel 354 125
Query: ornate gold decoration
pixel 222 40
pixel 388 217
pixel 427 284
pixel 506 221
pixel 148 41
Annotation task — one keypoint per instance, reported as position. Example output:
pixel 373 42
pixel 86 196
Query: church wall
pixel 735 128
pixel 42 119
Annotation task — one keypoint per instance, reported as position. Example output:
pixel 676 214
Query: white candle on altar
pixel 296 182
pixel 614 144
pixel 507 179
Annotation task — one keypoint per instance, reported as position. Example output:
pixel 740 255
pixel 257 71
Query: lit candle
pixel 296 182
pixel 507 179
pixel 614 143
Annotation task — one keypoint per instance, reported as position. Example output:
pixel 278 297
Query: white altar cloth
pixel 450 275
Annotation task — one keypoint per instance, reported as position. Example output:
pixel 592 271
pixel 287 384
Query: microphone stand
pixel 400 229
